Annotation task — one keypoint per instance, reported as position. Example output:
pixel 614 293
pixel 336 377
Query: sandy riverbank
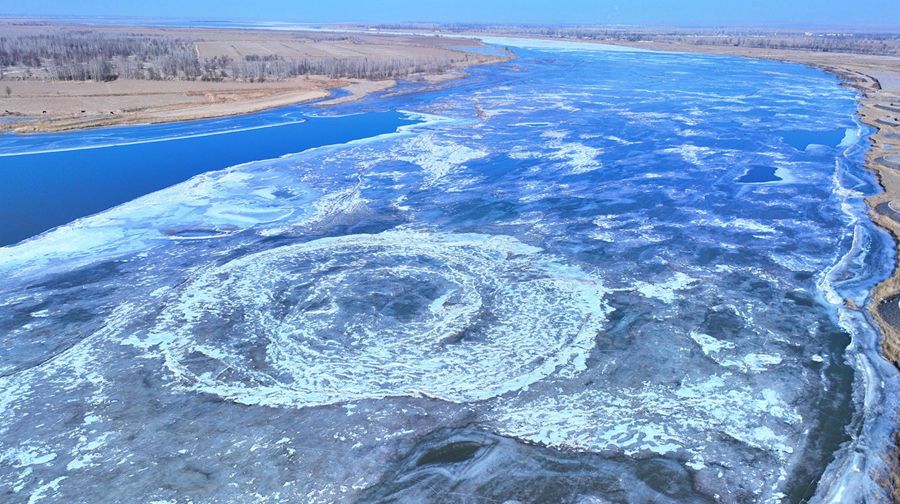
pixel 31 101
pixel 59 106
pixel 142 102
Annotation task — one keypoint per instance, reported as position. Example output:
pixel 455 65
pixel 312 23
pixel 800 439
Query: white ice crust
pixel 546 318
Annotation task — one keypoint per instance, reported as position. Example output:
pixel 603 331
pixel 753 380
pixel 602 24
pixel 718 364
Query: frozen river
pixel 585 275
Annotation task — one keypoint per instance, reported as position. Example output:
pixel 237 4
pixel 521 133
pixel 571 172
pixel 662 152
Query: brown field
pixel 63 101
pixel 63 105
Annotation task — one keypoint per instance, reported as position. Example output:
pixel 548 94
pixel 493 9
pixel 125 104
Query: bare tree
pixel 850 42
pixel 85 55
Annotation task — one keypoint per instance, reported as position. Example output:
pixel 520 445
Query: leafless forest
pixel 82 55
pixel 887 44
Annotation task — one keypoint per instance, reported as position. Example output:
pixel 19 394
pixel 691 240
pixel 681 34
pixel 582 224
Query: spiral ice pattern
pixel 461 317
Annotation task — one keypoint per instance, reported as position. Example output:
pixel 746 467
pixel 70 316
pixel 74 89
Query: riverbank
pixel 143 102
pixel 204 73
pixel 878 80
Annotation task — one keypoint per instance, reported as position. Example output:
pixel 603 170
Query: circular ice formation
pixel 459 317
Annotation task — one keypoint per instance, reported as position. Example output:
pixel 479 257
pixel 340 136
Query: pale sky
pixel 812 13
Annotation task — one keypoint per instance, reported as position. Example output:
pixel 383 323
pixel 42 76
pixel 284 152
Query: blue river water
pixel 44 183
pixel 585 275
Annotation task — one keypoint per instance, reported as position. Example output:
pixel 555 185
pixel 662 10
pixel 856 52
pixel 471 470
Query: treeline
pixel 86 55
pixel 857 43
pixel 881 47
pixel 276 67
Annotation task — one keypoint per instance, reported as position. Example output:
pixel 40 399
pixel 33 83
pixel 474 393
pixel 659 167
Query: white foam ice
pixel 665 291
pixel 437 157
pixel 705 218
pixel 710 346
pixel 532 124
pixel 851 137
pixel 654 418
pixel 723 352
pixel 619 141
pixel 485 329
pixel 579 157
pixel 21 457
pixel 40 492
pixel 698 155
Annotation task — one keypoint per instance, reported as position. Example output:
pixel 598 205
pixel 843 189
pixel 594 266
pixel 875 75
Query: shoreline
pixel 234 103
pixel 357 89
pixel 878 107
pixel 304 67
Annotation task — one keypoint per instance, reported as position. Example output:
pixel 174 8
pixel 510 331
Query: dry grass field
pixel 252 69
